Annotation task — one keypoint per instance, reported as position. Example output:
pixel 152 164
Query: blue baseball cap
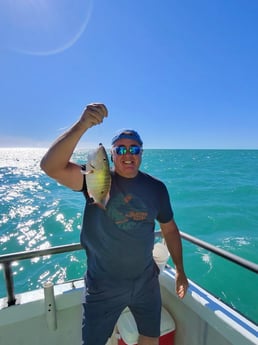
pixel 127 134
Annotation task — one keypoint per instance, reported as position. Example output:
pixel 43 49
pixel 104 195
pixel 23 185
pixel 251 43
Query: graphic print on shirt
pixel 127 211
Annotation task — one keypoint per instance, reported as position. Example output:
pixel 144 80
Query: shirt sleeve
pixel 165 213
pixel 84 189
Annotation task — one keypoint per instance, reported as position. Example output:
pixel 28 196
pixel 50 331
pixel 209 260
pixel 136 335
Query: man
pixel 119 239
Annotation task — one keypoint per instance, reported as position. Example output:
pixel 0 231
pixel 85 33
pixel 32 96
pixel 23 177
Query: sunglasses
pixel 123 150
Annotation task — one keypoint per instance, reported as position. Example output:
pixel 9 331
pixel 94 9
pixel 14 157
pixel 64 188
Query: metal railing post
pixel 9 283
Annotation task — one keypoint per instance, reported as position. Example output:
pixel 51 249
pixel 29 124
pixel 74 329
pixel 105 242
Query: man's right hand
pixel 93 115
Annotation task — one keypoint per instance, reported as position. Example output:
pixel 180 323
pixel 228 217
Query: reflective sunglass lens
pixel 121 150
pixel 133 149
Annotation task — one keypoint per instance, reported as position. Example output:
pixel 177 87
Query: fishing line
pixel 43 27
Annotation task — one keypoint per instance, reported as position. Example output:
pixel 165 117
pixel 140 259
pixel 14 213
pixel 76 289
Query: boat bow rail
pixel 7 259
pixel 221 252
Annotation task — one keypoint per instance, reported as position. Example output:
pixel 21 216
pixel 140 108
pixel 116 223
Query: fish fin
pixel 107 198
pixel 100 205
pixel 84 172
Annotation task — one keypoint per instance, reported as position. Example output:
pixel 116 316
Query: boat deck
pixel 200 318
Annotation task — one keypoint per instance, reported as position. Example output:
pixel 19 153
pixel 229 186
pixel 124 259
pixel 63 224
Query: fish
pixel 98 177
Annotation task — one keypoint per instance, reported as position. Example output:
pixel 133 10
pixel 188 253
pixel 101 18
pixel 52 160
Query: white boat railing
pixel 7 259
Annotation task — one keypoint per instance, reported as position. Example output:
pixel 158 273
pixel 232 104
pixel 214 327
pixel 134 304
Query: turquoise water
pixel 214 194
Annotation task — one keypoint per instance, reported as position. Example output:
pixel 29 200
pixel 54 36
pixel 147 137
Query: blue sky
pixel 183 73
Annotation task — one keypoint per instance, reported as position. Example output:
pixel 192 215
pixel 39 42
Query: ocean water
pixel 214 194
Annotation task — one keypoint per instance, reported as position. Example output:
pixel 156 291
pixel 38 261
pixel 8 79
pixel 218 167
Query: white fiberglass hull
pixel 200 318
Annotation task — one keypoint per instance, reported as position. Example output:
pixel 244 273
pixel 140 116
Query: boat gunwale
pixel 7 259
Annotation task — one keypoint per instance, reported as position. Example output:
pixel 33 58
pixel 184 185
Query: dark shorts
pixel 106 299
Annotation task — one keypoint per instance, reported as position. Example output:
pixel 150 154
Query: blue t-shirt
pixel 119 240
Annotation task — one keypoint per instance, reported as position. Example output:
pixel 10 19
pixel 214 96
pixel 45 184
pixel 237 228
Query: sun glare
pixel 43 27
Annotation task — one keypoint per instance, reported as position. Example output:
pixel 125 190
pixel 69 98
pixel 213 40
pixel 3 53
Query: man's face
pixel 126 165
